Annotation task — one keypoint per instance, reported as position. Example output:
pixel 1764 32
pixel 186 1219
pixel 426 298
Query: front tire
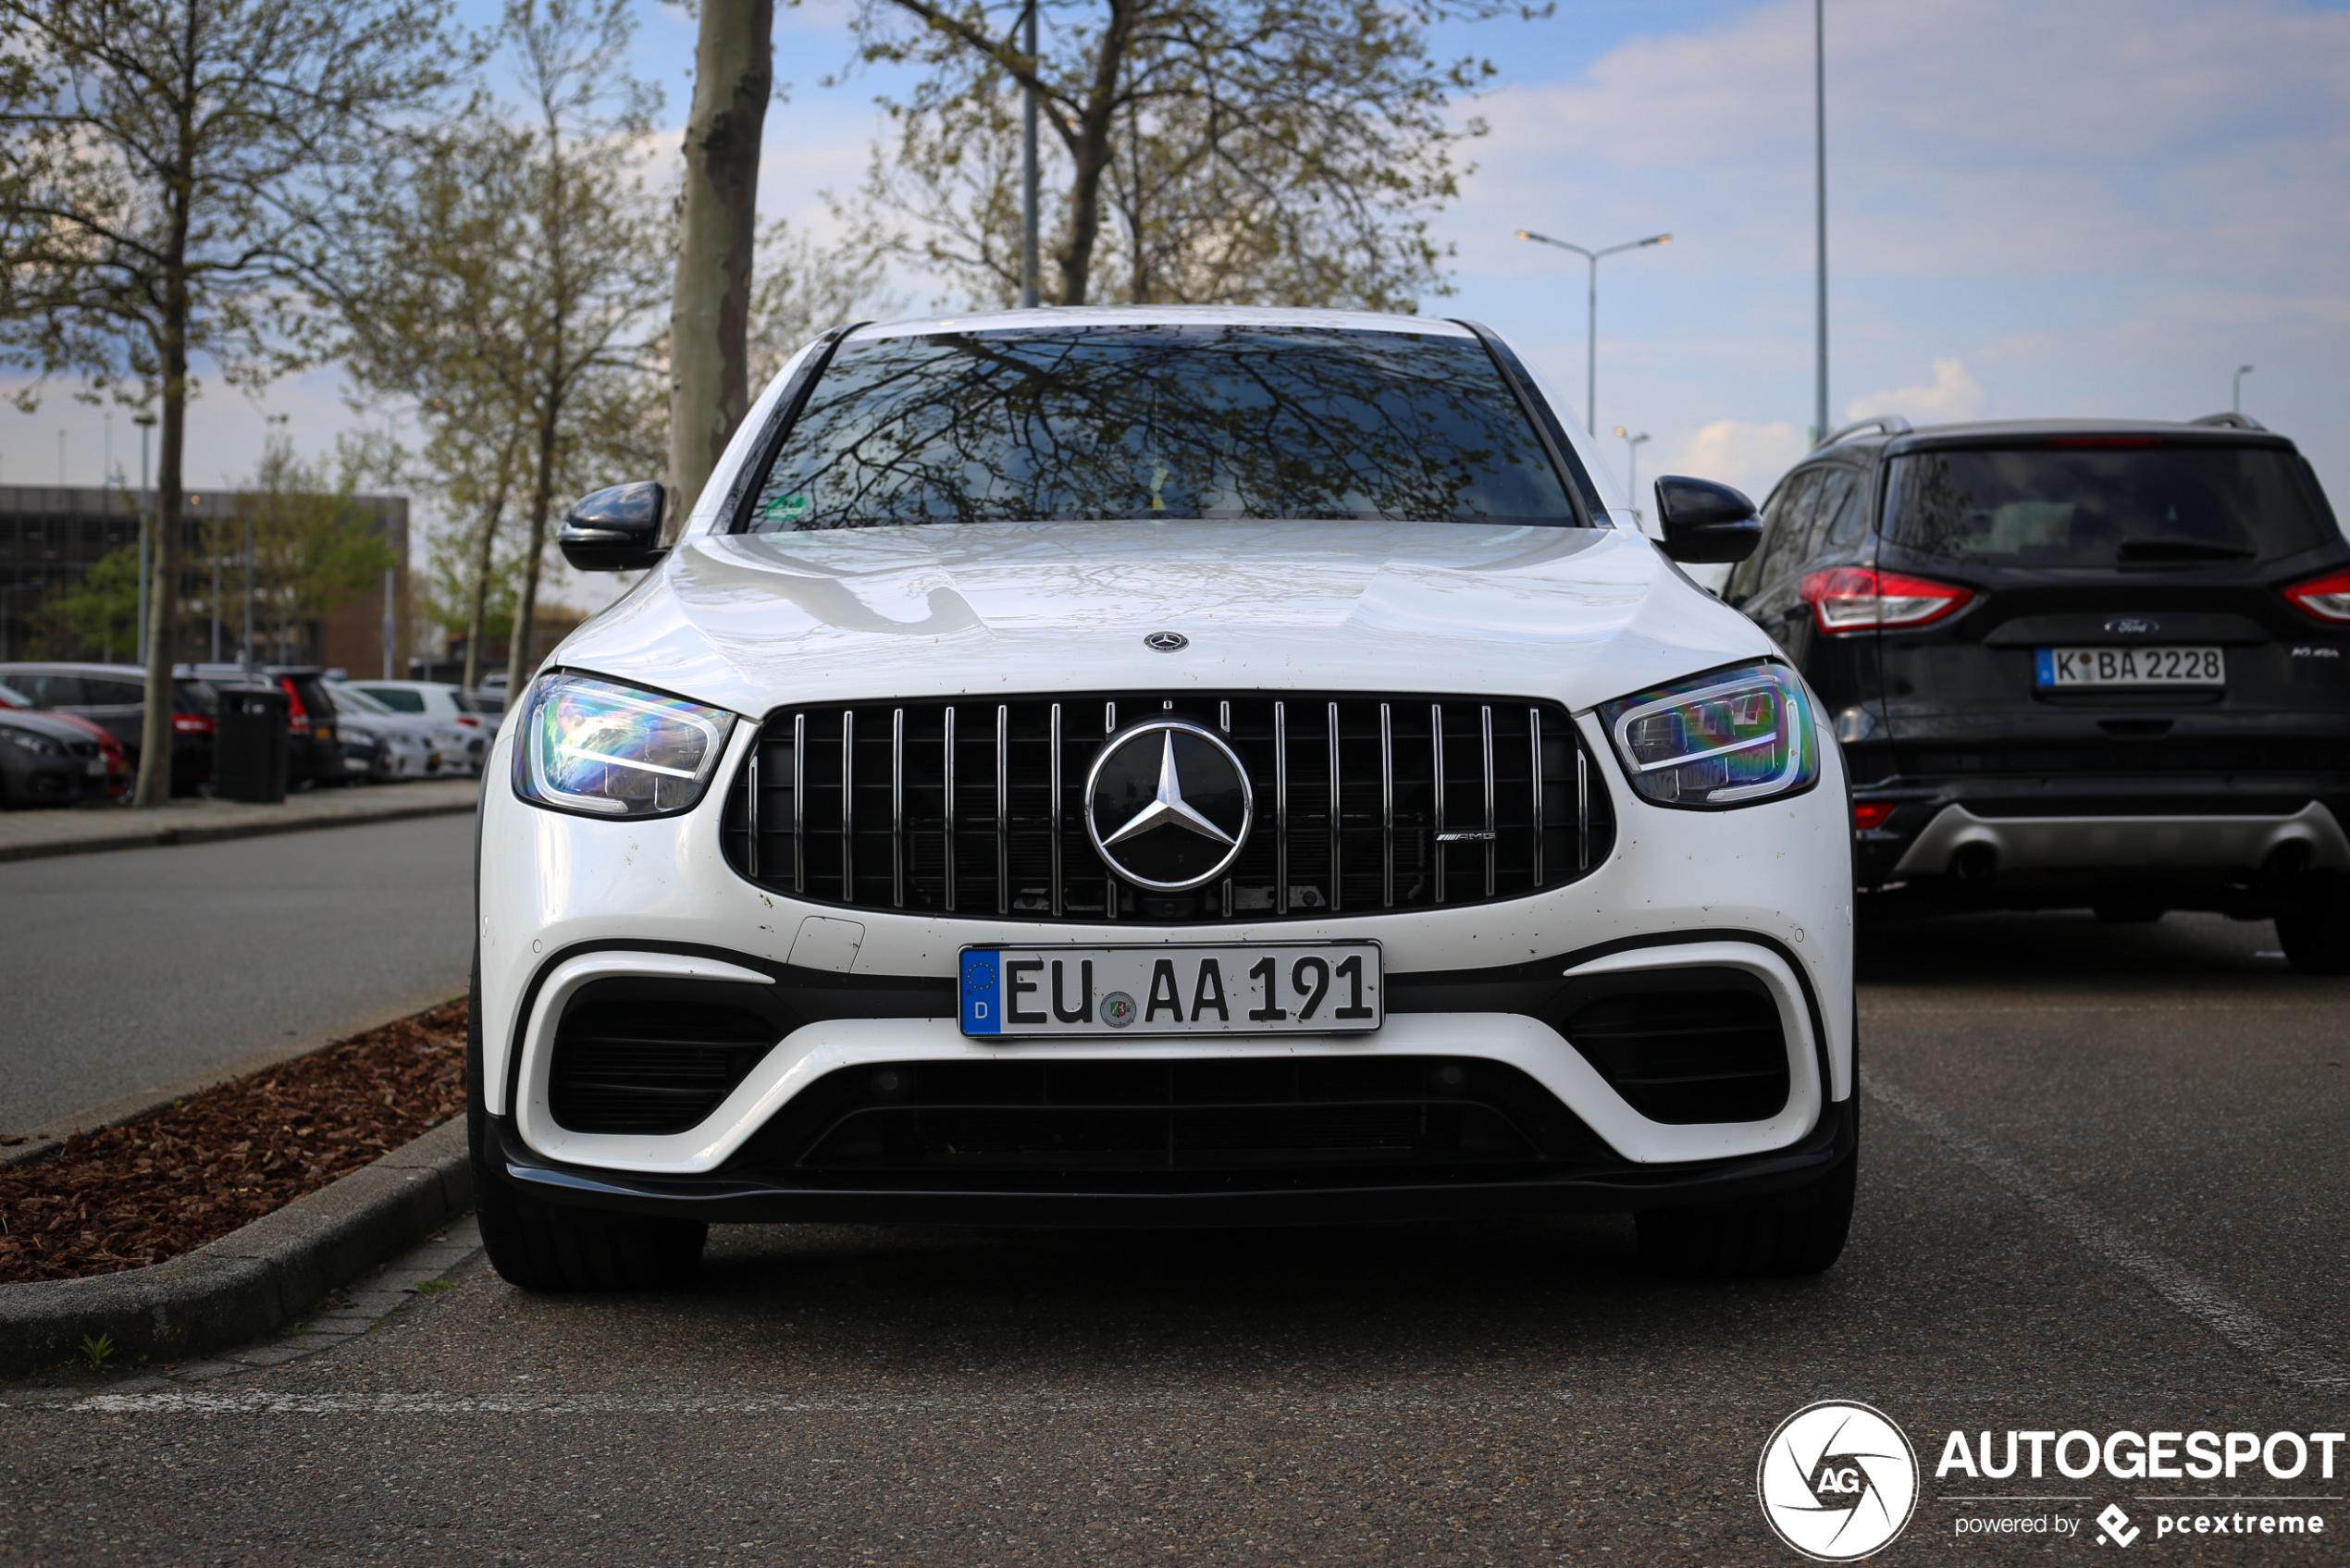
pixel 543 1246
pixel 1791 1233
pixel 2314 925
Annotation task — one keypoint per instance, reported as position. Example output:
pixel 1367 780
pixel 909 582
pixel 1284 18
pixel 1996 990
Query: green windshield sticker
pixel 792 508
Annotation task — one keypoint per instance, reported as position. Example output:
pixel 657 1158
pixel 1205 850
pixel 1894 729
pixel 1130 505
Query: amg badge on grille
pixel 1167 805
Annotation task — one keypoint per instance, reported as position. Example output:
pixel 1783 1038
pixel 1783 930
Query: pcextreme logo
pixel 1837 1480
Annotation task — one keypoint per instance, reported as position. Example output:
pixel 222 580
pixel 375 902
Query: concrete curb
pixel 39 1143
pixel 254 1280
pixel 148 838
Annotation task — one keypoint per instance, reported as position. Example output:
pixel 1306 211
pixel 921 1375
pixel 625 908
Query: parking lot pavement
pixel 2102 1190
pixel 141 966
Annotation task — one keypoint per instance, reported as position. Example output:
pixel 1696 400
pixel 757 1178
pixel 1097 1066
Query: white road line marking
pixel 2274 1350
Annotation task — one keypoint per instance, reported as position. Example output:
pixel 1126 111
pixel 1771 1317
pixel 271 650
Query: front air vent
pixel 651 1067
pixel 1362 804
pixel 1714 1052
pixel 1200 1116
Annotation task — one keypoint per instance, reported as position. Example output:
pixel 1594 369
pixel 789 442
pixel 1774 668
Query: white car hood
pixel 748 622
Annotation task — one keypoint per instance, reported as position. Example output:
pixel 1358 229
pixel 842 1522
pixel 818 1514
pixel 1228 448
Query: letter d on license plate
pixel 1259 988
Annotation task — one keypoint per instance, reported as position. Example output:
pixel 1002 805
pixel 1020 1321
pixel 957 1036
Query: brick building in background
pixel 51 536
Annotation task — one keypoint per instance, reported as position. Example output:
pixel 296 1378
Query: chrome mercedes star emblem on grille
pixel 1167 642
pixel 1147 825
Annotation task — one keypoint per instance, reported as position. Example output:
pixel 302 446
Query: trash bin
pixel 249 746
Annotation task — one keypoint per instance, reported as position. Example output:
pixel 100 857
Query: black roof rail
pixel 1891 424
pixel 2229 422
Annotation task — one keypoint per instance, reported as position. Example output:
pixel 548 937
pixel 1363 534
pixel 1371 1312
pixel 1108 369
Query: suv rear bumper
pixel 2131 845
pixel 1226 1200
pixel 2225 842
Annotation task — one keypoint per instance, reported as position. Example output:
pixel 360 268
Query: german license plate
pixel 95 767
pixel 2133 667
pixel 1259 988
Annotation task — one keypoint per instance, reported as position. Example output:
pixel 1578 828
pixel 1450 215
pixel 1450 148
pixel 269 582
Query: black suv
pixel 2078 663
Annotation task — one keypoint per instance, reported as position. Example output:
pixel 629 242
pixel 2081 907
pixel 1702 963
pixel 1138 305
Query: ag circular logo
pixel 1837 1480
pixel 1167 805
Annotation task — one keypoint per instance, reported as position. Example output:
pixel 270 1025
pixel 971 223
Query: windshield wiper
pixel 2177 550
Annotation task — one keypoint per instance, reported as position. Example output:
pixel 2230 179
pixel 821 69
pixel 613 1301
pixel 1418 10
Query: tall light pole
pixel 1820 207
pixel 1028 193
pixel 146 423
pixel 1591 316
pixel 2242 371
pixel 1632 463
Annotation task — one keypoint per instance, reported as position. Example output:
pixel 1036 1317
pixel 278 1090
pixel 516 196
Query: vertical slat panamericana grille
pixel 1363 804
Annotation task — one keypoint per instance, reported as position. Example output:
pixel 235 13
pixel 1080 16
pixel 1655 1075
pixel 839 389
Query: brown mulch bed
pixel 128 1196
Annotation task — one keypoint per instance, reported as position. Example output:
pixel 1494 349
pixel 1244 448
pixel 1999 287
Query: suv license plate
pixel 1259 988
pixel 2133 667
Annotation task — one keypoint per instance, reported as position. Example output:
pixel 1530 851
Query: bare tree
pixel 162 170
pixel 517 272
pixel 1234 151
pixel 717 231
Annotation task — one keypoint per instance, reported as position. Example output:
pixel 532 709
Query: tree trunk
pixel 709 312
pixel 154 787
pixel 542 500
pixel 1090 154
pixel 478 614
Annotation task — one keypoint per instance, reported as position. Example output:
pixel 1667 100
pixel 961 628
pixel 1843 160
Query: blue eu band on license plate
pixel 1256 988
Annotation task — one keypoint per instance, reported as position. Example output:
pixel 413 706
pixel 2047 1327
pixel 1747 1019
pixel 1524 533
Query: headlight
pixel 41 745
pixel 1729 738
pixel 607 750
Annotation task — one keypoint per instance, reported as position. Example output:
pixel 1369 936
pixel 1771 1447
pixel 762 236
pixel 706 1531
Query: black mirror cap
pixel 1705 523
pixel 617 529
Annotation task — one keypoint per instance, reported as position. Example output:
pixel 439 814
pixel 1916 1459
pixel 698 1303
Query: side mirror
pixel 617 529
pixel 1705 523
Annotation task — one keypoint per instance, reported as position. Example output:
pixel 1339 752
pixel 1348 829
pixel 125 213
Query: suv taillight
pixel 2324 598
pixel 1860 598
pixel 191 724
pixel 297 716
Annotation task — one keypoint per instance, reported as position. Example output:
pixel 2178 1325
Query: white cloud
pixel 2103 206
pixel 1731 452
pixel 1954 395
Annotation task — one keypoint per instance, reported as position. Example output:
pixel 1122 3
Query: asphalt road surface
pixel 138 968
pixel 2104 1189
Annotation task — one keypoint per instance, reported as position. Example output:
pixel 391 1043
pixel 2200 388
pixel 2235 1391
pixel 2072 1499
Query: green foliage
pixel 97 1353
pixel 313 546
pixel 96 616
pixel 433 1286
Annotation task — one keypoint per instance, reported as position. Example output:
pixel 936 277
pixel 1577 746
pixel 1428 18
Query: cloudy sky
pixel 2098 207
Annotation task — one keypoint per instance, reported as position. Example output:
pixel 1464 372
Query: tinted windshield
pixel 2106 505
pixel 1092 423
pixel 398 700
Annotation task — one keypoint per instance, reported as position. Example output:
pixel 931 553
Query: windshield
pixel 2106 504
pixel 1097 423
pixel 351 700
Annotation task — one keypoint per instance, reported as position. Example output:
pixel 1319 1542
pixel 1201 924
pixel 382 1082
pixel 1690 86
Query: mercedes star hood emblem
pixel 1167 805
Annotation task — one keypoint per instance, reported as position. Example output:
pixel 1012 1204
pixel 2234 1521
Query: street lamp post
pixel 1632 463
pixel 1030 262
pixel 1592 315
pixel 2242 371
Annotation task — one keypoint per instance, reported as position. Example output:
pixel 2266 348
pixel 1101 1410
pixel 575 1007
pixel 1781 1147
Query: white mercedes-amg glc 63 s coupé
pixel 1161 767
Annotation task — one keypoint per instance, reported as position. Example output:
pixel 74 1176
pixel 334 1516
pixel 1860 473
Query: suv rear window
pixel 2106 504
pixel 1160 422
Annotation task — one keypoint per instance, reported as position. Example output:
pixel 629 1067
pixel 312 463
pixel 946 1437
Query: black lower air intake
pixel 1710 1050
pixel 649 1066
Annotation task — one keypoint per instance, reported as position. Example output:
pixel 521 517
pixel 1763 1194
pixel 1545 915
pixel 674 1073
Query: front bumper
pixel 568 902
